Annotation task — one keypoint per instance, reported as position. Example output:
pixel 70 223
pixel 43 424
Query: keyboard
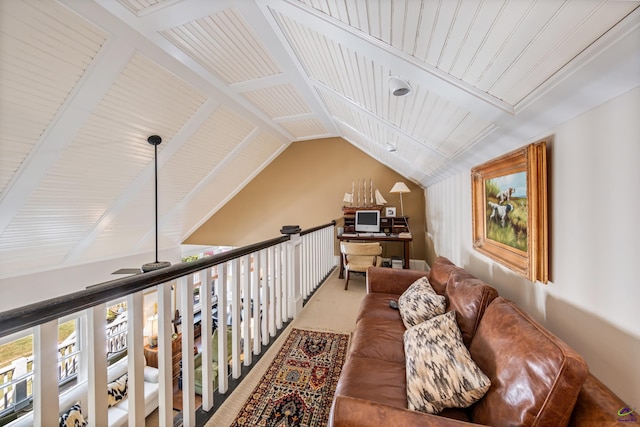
pixel 371 234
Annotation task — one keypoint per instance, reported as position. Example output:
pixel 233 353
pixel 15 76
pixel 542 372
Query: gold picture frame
pixel 509 203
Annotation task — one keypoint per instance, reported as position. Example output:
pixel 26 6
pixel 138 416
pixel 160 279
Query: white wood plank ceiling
pixel 230 84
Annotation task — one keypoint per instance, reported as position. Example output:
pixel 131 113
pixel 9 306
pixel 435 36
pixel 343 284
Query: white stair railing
pixel 261 290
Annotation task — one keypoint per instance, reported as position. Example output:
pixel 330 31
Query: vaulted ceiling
pixel 230 84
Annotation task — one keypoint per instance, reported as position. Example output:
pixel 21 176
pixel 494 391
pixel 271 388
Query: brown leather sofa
pixel 536 379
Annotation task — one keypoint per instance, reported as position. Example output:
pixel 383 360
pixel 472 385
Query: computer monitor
pixel 367 221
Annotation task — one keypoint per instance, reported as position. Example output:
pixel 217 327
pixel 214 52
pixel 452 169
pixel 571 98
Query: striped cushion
pixel 440 371
pixel 419 303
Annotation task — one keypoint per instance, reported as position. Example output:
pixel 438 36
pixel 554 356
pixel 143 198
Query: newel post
pixel 294 269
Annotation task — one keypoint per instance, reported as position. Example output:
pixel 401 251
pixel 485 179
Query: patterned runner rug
pixel 298 387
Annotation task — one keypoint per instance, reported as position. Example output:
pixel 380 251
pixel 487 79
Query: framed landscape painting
pixel 509 202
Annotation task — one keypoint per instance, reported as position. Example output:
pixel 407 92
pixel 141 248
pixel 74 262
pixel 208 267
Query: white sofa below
pixel 118 414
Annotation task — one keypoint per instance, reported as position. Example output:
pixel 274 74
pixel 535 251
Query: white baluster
pixel 205 337
pixel 165 362
pixel 223 380
pixel 188 387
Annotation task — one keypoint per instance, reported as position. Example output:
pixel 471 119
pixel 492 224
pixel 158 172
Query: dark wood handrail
pixel 319 227
pixel 17 319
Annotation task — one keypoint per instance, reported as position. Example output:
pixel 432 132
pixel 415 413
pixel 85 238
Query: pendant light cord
pixel 156 193
pixel 155 140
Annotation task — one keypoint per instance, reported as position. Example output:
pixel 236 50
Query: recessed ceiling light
pixel 398 86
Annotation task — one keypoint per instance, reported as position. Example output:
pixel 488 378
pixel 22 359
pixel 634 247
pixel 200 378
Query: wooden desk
pixel 352 238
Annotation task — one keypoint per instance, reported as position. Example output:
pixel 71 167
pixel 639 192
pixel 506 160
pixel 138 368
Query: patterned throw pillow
pixel 440 371
pixel 419 303
pixel 73 417
pixel 117 390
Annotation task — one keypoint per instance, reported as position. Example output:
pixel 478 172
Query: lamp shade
pixel 400 187
pixel 151 328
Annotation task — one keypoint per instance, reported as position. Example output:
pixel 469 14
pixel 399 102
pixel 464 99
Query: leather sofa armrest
pixel 598 406
pixel 351 412
pixel 391 280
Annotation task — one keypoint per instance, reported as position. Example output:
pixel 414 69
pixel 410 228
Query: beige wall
pixel 591 301
pixel 305 186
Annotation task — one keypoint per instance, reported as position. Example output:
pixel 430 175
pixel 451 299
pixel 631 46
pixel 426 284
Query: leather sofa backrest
pixel 535 377
pixel 391 280
pixel 439 273
pixel 469 297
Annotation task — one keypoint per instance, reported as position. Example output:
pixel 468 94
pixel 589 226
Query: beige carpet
pixel 330 309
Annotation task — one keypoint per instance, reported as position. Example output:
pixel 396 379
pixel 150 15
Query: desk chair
pixel 359 256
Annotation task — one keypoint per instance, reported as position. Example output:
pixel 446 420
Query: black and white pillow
pixel 440 371
pixel 419 303
pixel 72 417
pixel 117 390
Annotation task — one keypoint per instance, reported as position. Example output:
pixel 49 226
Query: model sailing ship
pixel 359 195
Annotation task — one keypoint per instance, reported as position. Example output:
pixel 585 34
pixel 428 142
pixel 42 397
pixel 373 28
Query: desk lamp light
pixel 400 187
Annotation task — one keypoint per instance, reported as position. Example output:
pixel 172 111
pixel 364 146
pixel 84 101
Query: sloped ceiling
pixel 229 85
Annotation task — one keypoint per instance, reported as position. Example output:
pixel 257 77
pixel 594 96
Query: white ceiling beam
pixel 607 75
pixel 474 100
pixel 144 34
pixel 147 174
pixel 87 94
pixel 260 18
pixel 407 166
pixel 385 124
pixel 211 176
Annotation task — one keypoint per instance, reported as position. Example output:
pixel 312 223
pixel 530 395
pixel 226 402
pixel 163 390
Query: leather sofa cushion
pixel 469 297
pixel 375 380
pixel 382 382
pixel 379 338
pixel 439 274
pixel 535 376
pixel 377 305
pixel 350 412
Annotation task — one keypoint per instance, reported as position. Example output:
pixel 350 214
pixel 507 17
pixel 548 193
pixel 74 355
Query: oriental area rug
pixel 298 387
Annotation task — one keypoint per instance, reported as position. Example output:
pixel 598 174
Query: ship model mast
pixel 357 200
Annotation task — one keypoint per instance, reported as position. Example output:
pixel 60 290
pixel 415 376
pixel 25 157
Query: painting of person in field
pixel 507 209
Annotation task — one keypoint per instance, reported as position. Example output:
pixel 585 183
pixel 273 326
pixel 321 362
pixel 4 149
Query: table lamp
pixel 400 187
pixel 151 330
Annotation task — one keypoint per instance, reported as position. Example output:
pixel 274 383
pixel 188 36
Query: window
pixel 16 374
pixel 68 351
pixel 16 366
pixel 116 331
